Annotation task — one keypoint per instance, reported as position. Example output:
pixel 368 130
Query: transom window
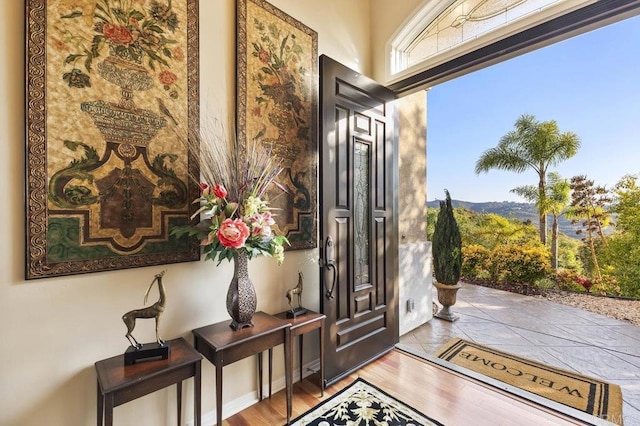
pixel 441 30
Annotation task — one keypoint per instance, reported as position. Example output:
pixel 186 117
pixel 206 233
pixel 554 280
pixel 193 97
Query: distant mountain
pixel 512 210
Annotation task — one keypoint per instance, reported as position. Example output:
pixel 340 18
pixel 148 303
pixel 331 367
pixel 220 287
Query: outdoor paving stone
pixel 431 348
pixel 548 335
pixel 595 362
pixel 493 333
pixel 437 332
pixel 629 330
pixel 630 355
pixel 601 336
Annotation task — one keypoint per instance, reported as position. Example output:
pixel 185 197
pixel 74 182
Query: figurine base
pixel 296 312
pixel 146 352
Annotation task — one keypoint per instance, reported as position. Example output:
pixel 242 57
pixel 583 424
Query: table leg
pixel 270 370
pixel 288 371
pixel 219 393
pixel 100 405
pixel 322 357
pixel 260 376
pixel 179 401
pixel 300 355
pixel 197 395
pixel 108 410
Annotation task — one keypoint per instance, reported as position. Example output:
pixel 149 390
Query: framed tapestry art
pixel 277 108
pixel 112 87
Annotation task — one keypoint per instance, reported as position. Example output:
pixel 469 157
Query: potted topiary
pixel 447 258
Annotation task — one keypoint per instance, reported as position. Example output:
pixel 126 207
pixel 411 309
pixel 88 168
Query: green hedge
pixel 507 263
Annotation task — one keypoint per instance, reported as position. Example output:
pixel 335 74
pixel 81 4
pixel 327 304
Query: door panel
pixel 358 175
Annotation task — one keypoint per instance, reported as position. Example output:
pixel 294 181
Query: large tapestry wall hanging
pixel 277 108
pixel 112 87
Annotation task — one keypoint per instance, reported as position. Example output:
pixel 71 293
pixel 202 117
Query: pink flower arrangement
pixel 237 218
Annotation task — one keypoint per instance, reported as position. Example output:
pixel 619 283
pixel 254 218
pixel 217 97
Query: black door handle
pixel 329 265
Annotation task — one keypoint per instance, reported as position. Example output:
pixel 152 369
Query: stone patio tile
pixel 548 335
pixel 488 333
pixel 601 336
pixel 630 354
pixel 595 362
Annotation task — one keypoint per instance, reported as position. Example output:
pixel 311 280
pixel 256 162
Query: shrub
pixel 447 245
pixel 475 261
pixel 515 263
pixel 567 280
pixel 607 286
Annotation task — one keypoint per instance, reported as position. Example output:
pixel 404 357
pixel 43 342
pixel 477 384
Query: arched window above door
pixel 442 30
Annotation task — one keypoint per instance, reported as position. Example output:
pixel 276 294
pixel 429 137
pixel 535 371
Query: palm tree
pixel 533 144
pixel 556 200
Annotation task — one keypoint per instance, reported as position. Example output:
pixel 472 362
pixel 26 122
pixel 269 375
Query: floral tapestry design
pixel 277 106
pixel 106 172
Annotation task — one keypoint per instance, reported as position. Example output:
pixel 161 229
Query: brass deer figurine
pixel 296 290
pixel 153 311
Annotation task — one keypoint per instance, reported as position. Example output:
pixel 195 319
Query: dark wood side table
pixel 118 383
pixel 301 325
pixel 223 346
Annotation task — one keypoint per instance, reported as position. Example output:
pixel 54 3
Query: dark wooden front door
pixel 358 227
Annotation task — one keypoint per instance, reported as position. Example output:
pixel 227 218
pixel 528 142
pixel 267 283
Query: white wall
pixel 53 330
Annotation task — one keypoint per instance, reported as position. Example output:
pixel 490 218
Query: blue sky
pixel 589 84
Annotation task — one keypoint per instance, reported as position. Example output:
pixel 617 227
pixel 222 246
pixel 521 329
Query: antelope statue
pixel 153 311
pixel 296 290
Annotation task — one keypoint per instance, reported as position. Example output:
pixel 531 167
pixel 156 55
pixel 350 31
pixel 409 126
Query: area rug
pixel 593 396
pixel 362 403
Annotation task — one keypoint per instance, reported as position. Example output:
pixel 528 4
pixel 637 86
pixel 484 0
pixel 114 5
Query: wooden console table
pixel 223 346
pixel 119 383
pixel 301 325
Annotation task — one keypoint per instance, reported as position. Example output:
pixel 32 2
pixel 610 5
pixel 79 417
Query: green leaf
pixel 155 29
pixel 100 17
pixel 98 39
pixel 138 16
pixel 87 63
pixel 74 14
pixel 283 44
pixel 72 58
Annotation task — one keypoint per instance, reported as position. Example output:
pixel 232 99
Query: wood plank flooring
pixel 443 395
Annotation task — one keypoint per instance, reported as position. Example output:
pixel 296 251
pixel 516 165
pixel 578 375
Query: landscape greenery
pixel 603 254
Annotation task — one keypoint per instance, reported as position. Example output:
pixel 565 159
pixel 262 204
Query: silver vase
pixel 241 296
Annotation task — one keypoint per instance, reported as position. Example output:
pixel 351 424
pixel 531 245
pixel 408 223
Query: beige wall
pixel 386 17
pixel 415 283
pixel 412 141
pixel 53 330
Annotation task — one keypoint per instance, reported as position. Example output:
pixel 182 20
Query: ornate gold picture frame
pixel 112 87
pixel 277 107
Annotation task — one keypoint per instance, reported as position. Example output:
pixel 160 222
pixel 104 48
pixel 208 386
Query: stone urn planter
pixel 447 298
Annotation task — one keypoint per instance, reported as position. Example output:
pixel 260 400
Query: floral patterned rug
pixel 362 403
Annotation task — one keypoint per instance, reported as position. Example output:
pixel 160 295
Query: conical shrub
pixel 447 245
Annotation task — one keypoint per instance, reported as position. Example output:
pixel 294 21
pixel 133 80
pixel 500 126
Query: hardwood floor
pixel 443 395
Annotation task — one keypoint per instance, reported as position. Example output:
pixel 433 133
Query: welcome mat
pixel 362 403
pixel 593 396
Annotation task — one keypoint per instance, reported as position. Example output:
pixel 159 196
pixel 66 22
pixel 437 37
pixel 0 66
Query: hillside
pixel 511 210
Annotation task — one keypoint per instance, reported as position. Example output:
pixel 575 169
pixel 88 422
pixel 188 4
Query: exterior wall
pixel 415 251
pixel 53 330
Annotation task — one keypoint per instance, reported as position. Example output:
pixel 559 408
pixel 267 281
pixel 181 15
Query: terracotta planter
pixel 447 298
